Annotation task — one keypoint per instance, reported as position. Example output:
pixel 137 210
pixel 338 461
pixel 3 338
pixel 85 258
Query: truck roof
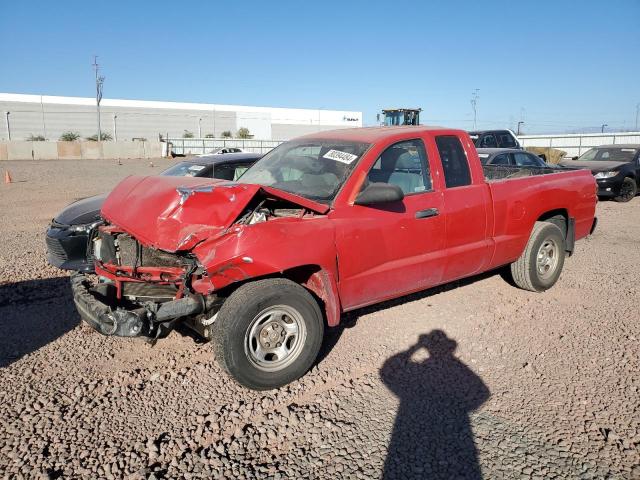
pixel 373 134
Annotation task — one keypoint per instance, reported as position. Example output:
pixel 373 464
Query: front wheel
pixel 628 190
pixel 539 266
pixel 268 333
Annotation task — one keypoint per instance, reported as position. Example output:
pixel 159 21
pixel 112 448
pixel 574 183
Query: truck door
pixel 390 249
pixel 465 211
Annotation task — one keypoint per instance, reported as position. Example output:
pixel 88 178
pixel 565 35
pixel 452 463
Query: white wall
pixel 577 144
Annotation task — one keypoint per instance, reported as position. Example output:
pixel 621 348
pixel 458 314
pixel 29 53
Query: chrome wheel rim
pixel 275 338
pixel 547 259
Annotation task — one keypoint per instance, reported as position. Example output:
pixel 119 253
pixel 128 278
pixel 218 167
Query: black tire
pixel 525 271
pixel 628 190
pixel 240 313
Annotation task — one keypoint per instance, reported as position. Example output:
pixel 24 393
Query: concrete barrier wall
pixel 18 150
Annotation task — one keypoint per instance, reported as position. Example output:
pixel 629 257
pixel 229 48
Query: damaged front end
pixel 140 291
pixel 167 246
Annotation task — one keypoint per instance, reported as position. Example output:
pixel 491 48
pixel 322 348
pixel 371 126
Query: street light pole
pixel 637 112
pixel 8 126
pixel 200 127
pixel 602 128
pixel 519 123
pixel 115 128
pixel 99 83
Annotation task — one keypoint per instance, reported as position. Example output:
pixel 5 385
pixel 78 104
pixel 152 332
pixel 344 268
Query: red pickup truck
pixel 321 225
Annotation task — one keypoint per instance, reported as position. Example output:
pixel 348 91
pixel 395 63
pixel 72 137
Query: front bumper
pixel 67 249
pixel 98 306
pixel 609 187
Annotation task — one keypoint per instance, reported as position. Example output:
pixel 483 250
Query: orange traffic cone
pixel 7 177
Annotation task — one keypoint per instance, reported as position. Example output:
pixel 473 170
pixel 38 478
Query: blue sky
pixel 558 65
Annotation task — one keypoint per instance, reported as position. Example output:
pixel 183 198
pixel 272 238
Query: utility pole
pixel 602 128
pixel 8 126
pixel 474 104
pixel 99 83
pixel 519 123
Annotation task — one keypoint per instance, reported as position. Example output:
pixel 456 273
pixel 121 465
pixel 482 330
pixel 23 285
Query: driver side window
pixel 403 164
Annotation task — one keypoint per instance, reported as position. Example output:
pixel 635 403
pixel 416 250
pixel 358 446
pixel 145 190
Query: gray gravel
pixel 474 379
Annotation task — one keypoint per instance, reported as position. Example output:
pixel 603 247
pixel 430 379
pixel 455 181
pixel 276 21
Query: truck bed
pixel 496 173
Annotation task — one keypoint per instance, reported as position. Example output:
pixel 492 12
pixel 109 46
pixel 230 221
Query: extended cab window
pixel 403 164
pixel 506 140
pixel 454 161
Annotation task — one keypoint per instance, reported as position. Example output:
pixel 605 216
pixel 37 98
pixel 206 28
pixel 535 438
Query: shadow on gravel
pixel 432 436
pixel 350 319
pixel 34 313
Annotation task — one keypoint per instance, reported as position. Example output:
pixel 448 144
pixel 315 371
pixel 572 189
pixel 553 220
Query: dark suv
pixel 495 139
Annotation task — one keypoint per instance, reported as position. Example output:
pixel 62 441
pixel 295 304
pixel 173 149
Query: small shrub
pixel 35 138
pixel 104 136
pixel 226 134
pixel 187 134
pixel 209 135
pixel 69 136
pixel 243 132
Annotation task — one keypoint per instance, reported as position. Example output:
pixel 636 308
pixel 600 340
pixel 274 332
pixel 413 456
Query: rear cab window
pixel 506 140
pixel 454 161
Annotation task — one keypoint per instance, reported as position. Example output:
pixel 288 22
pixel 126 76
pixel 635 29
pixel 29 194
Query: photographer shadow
pixel 432 436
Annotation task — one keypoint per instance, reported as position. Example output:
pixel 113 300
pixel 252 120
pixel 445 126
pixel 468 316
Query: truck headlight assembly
pixel 605 174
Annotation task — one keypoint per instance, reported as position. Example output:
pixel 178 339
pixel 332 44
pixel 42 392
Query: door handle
pixel 429 212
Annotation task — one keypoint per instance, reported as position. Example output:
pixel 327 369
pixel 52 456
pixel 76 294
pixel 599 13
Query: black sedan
pixel 511 157
pixel 68 234
pixel 616 168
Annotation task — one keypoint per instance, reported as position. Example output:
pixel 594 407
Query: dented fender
pixel 275 247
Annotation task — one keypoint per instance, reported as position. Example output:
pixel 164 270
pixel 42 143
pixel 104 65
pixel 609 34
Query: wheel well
pixel 560 217
pixel 312 277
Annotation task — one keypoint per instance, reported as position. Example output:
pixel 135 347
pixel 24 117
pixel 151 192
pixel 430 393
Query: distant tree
pixel 187 134
pixel 209 135
pixel 69 136
pixel 226 134
pixel 35 138
pixel 243 132
pixel 104 137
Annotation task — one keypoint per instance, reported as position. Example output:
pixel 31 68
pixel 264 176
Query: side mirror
pixel 375 193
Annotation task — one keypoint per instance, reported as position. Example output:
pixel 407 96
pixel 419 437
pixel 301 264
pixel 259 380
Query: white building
pixel 50 116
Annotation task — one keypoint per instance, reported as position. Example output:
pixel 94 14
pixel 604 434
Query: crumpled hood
pixel 176 213
pixel 594 166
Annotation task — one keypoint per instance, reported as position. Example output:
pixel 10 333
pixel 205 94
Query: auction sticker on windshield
pixel 339 156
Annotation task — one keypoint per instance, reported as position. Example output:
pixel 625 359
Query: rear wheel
pixel 539 266
pixel 268 333
pixel 628 190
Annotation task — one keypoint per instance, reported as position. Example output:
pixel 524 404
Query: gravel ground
pixel 474 379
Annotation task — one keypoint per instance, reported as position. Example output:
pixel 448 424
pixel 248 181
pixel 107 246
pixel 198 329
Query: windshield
pixel 186 169
pixel 619 154
pixel 315 169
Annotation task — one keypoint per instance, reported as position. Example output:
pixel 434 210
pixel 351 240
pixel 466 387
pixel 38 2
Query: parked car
pixel 495 139
pixel 321 225
pixel 68 233
pixel 511 157
pixel 616 168
pixel 222 151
